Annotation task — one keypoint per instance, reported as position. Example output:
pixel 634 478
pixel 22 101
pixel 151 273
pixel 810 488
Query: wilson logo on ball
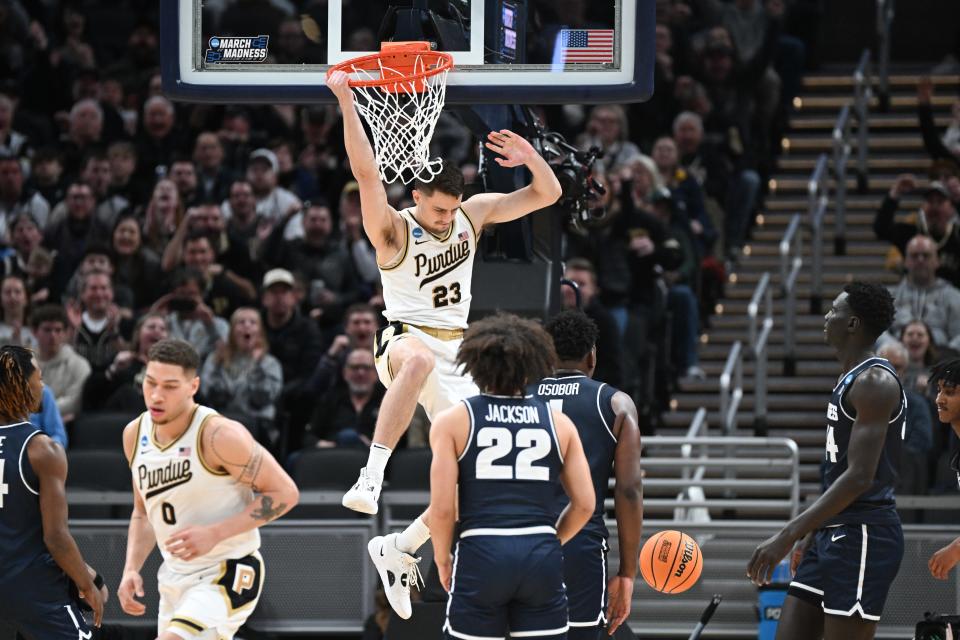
pixel 671 562
pixel 687 557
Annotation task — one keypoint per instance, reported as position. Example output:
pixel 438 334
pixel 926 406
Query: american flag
pixel 586 45
pixel 185 452
pixel 463 235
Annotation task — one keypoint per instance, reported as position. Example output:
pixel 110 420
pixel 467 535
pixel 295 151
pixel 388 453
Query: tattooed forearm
pixel 267 511
pixel 252 468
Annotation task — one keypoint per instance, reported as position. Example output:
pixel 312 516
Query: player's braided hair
pixel 947 372
pixel 504 353
pixel 873 304
pixel 574 334
pixel 16 367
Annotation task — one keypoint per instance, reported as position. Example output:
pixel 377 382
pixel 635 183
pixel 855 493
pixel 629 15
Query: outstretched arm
pixel 543 190
pixel 628 504
pixel 382 223
pixel 49 463
pixel 874 396
pixel 228 445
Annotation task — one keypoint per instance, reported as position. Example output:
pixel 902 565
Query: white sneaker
pixel 398 570
pixel 364 494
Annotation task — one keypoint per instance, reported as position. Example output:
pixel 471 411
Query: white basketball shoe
pixel 398 571
pixel 363 495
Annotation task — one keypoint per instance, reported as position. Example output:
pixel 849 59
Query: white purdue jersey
pixel 428 282
pixel 179 490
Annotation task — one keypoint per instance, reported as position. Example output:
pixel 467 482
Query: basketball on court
pixel 671 562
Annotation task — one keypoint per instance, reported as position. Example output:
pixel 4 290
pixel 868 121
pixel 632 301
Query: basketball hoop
pixel 400 93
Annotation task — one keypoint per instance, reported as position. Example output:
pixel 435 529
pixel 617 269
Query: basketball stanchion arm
pixel 705 618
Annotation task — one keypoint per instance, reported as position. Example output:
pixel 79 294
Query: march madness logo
pixel 223 49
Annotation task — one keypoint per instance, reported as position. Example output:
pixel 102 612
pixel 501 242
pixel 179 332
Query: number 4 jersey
pixel 510 467
pixel 876 505
pixel 428 282
pixel 179 490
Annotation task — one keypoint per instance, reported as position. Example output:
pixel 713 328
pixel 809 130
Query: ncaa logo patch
pixel 143 441
pixel 228 49
pixel 417 232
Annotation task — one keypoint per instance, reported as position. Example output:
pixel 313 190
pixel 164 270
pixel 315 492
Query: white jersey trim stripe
pixel 469 433
pixel 863 561
pixel 553 432
pixel 800 585
pixel 23 450
pixel 467 636
pixel 857 608
pixel 516 531
pixel 592 623
pixel 542 632
pixel 600 412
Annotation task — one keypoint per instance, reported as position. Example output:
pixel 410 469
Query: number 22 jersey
pixel 510 467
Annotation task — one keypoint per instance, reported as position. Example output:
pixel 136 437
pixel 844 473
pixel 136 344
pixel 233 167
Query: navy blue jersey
pixel 588 404
pixel 876 505
pixel 510 468
pixel 21 527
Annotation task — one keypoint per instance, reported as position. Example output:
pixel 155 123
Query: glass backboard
pixel 505 51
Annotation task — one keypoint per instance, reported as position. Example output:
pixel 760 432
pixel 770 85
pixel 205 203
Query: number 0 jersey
pixel 428 282
pixel 180 490
pixel 510 467
pixel 877 504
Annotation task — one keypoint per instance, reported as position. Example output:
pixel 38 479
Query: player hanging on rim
pixel 849 542
pixel 499 460
pixel 39 558
pixel 606 420
pixel 425 255
pixel 202 488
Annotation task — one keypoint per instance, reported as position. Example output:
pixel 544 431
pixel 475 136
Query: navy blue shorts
pixel 507 584
pixel 42 611
pixel 585 574
pixel 849 569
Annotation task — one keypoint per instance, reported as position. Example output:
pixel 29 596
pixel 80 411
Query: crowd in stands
pixel 925 247
pixel 126 218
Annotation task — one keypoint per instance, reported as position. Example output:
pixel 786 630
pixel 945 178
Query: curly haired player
pixel 499 461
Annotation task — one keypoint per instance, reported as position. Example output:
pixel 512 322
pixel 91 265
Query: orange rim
pixel 400 58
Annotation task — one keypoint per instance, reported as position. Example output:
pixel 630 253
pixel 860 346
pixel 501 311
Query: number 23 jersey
pixel 428 282
pixel 179 490
pixel 510 468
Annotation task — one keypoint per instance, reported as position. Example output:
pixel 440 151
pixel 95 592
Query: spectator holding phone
pixel 188 317
pixel 937 219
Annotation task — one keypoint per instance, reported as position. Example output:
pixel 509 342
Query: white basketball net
pixel 403 122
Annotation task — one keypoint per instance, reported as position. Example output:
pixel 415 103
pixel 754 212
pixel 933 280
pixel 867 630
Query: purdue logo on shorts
pixel 241 580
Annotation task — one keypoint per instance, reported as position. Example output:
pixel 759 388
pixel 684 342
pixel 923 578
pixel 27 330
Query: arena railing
pixel 759 337
pixel 841 154
pixel 319 579
pixel 731 388
pixel 818 199
pixel 692 491
pixel 791 261
pixel 748 475
pixel 862 93
pixel 885 15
